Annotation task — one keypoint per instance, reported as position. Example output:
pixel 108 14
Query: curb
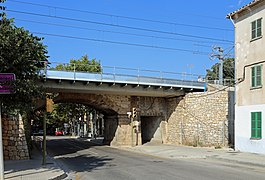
pixel 216 157
pixel 60 166
pixel 60 177
pixel 236 161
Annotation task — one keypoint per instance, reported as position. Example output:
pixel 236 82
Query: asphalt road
pixel 83 160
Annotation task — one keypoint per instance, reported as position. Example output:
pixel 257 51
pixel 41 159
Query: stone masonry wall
pixel 14 140
pixel 199 119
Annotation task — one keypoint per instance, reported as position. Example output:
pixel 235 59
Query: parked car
pixel 58 132
pixel 40 132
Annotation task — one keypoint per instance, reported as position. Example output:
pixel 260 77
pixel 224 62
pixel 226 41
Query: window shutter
pixel 258 75
pixel 256 125
pixel 253 125
pixel 258 27
pixel 253 29
pixel 253 75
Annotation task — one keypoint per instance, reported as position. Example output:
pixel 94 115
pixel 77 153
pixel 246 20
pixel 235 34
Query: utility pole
pixel 1 148
pixel 218 53
pixel 2 8
pixel 49 109
pixel 44 140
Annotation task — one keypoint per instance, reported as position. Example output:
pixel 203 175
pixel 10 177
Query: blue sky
pixel 113 27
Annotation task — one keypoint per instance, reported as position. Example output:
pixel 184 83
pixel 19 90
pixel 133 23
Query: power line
pixel 121 43
pixel 118 32
pixel 121 26
pixel 202 45
pixel 228 53
pixel 124 17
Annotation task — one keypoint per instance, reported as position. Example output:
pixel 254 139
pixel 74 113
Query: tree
pixel 67 112
pixel 82 65
pixel 228 70
pixel 23 54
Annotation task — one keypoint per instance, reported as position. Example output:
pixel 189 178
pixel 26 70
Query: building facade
pixel 250 68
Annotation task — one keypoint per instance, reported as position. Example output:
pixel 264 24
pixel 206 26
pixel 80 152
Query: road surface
pixel 84 160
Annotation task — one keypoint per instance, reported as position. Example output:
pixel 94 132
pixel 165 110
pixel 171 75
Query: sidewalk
pixel 33 169
pixel 182 152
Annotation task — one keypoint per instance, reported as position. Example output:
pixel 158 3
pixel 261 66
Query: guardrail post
pixel 161 76
pixel 45 69
pixel 74 73
pixel 101 73
pixel 138 75
pixel 114 74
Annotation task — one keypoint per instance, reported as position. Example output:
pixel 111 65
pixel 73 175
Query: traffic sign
pixel 5 80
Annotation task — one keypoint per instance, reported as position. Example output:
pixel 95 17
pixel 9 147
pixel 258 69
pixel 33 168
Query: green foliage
pixel 66 112
pixel 213 73
pixel 23 54
pixel 81 65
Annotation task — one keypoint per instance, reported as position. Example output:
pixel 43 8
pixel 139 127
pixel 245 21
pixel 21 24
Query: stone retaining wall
pixel 199 119
pixel 14 140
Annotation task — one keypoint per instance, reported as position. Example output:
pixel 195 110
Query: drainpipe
pixel 232 21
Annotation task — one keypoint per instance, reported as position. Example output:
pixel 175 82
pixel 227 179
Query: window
pixel 256 125
pixel 256 75
pixel 256 29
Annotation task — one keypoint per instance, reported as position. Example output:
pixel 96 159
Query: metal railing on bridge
pixel 108 74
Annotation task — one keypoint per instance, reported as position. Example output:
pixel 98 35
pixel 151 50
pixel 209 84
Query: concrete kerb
pixel 237 161
pixel 225 155
pixel 168 151
pixel 59 177
pixel 38 144
pixel 244 158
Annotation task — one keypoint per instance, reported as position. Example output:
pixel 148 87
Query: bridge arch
pixel 113 107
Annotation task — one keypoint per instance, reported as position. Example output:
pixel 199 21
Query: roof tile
pixel 252 3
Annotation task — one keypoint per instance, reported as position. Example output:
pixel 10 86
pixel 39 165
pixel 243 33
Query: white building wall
pixel 248 99
pixel 243 141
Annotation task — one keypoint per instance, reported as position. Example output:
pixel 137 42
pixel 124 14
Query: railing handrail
pixel 138 72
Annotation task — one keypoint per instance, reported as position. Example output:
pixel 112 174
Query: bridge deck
pixel 124 79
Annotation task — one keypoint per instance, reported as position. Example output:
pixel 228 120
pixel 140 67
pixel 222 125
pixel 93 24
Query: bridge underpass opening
pixel 92 122
pixel 151 129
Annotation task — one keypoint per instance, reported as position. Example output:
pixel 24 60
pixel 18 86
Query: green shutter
pixel 253 75
pixel 258 27
pixel 256 125
pixel 253 28
pixel 253 125
pixel 259 123
pixel 258 75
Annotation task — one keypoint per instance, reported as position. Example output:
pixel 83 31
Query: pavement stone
pixel 33 169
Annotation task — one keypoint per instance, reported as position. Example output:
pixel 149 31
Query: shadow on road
pixel 87 163
pixel 77 155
